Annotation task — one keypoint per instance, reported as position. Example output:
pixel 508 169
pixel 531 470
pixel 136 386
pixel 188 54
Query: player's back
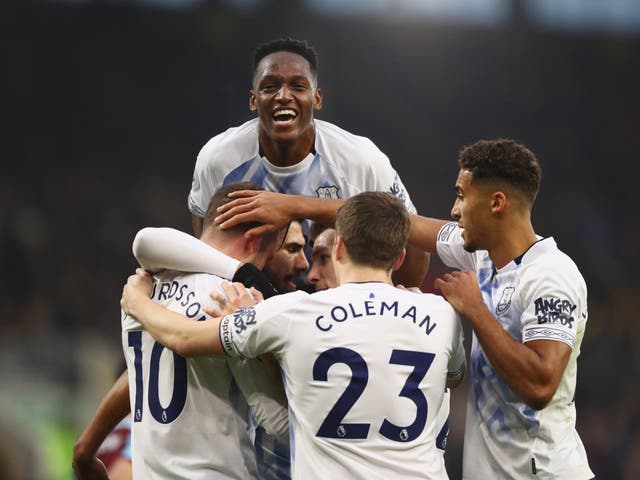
pixel 365 367
pixel 189 418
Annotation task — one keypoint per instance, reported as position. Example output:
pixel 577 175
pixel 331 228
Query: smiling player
pixel 286 150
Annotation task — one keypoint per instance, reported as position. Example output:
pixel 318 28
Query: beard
pixel 470 247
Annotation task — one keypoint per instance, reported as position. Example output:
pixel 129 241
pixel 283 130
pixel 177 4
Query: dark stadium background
pixel 106 104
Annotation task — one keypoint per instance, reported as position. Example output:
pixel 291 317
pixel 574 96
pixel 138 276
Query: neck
pixel 285 154
pixel 347 273
pixel 224 243
pixel 512 243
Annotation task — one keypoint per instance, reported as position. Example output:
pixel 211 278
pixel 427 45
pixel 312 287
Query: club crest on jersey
pixel 244 317
pixel 330 191
pixel 505 300
pixel 396 189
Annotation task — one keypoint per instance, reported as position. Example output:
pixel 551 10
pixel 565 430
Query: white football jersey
pixel 190 420
pixel 442 420
pixel 269 420
pixel 540 295
pixel 341 166
pixel 364 367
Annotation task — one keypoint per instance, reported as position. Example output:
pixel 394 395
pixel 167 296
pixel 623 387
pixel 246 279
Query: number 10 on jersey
pixel 180 377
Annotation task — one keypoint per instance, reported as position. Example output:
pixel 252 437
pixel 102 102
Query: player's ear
pixel 252 245
pixel 498 202
pixel 317 99
pixel 252 101
pixel 400 260
pixel 338 249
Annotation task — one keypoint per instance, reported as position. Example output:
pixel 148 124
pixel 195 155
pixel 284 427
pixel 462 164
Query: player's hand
pixel 235 296
pixel 461 290
pixel 89 469
pixel 410 289
pixel 273 210
pixel 138 287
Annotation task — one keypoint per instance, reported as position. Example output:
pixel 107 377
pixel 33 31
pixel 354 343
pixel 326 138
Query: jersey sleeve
pixel 393 184
pixel 450 248
pixel 167 248
pixel 249 332
pixel 386 178
pixel 260 382
pixel 205 180
pixel 457 362
pixel 555 305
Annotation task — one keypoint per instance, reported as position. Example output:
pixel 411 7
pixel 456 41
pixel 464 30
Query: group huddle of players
pixel 352 380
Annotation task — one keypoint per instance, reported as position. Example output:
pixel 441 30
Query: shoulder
pixel 284 301
pixel 437 303
pixel 551 268
pixel 333 140
pixel 241 140
pixel 435 300
pixel 187 293
pixel 201 283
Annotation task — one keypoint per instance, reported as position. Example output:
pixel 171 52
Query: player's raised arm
pixel 274 210
pixel 277 209
pixel 414 268
pixel 173 330
pixel 424 232
pixel 167 248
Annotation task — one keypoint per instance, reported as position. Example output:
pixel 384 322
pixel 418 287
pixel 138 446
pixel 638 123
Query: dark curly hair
pixel 287 44
pixel 503 160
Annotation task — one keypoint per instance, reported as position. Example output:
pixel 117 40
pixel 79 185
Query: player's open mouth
pixel 285 115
